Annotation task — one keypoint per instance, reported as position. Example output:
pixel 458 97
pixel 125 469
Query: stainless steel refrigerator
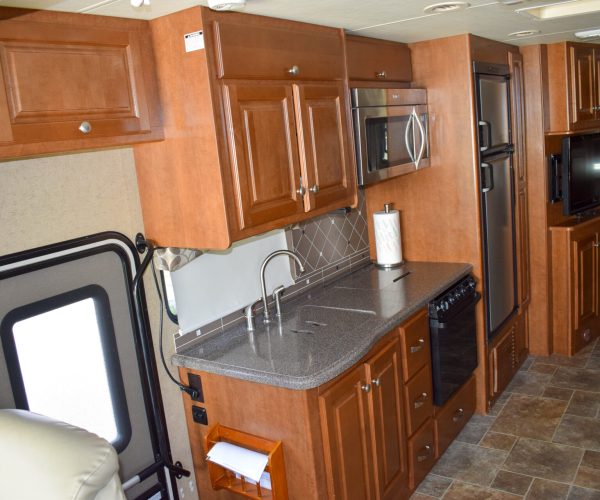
pixel 497 193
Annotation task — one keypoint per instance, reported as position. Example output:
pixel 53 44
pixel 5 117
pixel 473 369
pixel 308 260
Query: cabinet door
pixel 347 439
pixel 517 99
pixel 585 268
pixel 521 339
pixel 379 60
pixel 389 440
pixel 502 362
pixel 59 76
pixel 523 279
pixel 582 91
pixel 597 83
pixel 324 146
pixel 264 151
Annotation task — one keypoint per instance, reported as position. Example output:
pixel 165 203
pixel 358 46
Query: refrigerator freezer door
pixel 499 247
pixel 493 119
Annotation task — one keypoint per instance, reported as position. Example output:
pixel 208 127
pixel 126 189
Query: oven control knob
pixel 445 305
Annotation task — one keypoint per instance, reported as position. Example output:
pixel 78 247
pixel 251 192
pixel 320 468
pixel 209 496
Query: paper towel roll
pixel 388 243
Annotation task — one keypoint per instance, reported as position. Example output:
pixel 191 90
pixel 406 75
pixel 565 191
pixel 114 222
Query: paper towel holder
pixel 387 208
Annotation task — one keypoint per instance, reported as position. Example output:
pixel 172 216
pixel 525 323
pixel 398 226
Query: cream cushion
pixel 42 458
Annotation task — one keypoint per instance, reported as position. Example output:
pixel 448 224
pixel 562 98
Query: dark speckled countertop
pixel 326 331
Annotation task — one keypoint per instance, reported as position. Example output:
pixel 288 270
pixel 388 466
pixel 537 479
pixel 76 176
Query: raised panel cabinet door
pixel 347 438
pixel 67 82
pixel 585 269
pixel 391 465
pixel 582 85
pixel 502 362
pixel 263 152
pixel 378 60
pixel 325 146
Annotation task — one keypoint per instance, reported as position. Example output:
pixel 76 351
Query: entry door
pixel 72 349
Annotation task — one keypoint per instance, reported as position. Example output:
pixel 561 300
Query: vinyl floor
pixel 540 441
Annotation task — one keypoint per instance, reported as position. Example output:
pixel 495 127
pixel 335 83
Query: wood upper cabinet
pixel 325 145
pixel 574 98
pixel 249 146
pixel 264 152
pixel 365 452
pixel 74 81
pixel 575 284
pixel 377 60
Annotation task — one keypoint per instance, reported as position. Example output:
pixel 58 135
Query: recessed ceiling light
pixel 520 34
pixel 588 33
pixel 561 9
pixel 438 8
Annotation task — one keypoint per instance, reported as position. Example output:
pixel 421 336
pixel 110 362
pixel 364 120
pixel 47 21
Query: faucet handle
pixel 250 313
pixel 276 295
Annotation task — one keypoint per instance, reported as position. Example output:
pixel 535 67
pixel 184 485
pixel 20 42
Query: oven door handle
pixel 444 324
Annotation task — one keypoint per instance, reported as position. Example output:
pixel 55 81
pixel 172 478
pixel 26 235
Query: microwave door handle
pixel 407 139
pixel 422 134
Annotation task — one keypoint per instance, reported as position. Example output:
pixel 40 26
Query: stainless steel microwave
pixel 390 131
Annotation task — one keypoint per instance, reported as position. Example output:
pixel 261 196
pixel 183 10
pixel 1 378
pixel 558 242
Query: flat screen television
pixel 580 173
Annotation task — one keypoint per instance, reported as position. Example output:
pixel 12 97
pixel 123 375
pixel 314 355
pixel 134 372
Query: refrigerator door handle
pixel 487 177
pixel 423 135
pixel 488 135
pixel 408 134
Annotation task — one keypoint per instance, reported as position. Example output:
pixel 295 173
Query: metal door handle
pixel 418 347
pixel 294 70
pixel 409 148
pixel 301 190
pixel 596 244
pixel 380 74
pixel 420 401
pixel 426 453
pixel 376 382
pixel 366 387
pixel 85 127
pixel 488 135
pixel 314 189
pixel 423 136
pixel 458 415
pixel 487 167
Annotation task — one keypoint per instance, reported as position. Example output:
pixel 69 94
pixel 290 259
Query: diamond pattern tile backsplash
pixel 330 238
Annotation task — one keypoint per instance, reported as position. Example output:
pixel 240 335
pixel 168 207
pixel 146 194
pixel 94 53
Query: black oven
pixel 453 338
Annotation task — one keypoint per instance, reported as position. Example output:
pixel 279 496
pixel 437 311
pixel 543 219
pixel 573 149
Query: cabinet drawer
pixel 453 416
pixel 379 60
pixel 264 48
pixel 418 400
pixel 415 344
pixel 421 454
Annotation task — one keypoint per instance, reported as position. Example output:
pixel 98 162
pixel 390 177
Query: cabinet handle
pixel 380 74
pixel 85 127
pixel 366 387
pixel 314 189
pixel 294 70
pixel 420 401
pixel 458 415
pixel 424 453
pixel 301 190
pixel 418 347
pixel 596 244
pixel 376 382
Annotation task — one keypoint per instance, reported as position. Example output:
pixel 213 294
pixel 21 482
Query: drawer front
pixel 421 454
pixel 416 349
pixel 453 416
pixel 418 400
pixel 378 60
pixel 286 51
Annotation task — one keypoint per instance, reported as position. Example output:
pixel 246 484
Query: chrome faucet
pixel 263 287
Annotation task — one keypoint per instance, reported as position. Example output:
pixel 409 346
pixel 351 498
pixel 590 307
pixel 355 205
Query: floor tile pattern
pixel 540 441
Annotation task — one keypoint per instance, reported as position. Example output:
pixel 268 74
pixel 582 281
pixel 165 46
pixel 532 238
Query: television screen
pixel 581 173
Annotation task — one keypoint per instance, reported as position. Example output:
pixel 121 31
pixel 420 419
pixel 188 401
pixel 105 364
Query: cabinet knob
pixel 458 415
pixel 366 387
pixel 376 382
pixel 596 244
pixel 294 70
pixel 301 190
pixel 380 74
pixel 418 347
pixel 420 401
pixel 85 127
pixel 424 453
pixel 314 189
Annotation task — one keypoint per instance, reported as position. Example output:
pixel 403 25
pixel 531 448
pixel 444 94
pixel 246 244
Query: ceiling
pixel 399 20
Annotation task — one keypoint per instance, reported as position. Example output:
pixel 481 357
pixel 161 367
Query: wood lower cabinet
pixel 363 434
pixel 257 132
pixel 74 81
pixel 575 284
pixel 574 96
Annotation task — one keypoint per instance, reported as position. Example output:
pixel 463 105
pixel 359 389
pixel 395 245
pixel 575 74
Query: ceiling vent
pixel 226 4
pixel 523 34
pixel 440 8
pixel 586 34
